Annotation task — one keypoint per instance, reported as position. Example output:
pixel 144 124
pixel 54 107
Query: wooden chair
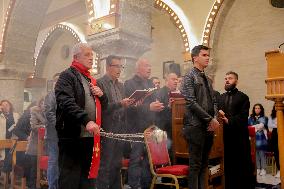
pixel 159 160
pixel 5 143
pixel 270 160
pixel 18 172
pixel 42 160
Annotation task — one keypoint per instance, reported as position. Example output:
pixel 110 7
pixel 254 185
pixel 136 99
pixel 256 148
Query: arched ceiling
pixel 21 34
pixel 24 24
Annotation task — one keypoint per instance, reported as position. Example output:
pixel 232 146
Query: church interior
pixel 36 39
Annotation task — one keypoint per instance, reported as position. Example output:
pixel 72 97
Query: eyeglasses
pixel 117 66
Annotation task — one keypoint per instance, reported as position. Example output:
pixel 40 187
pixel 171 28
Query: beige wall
pixel 250 28
pixel 167 43
pixel 54 62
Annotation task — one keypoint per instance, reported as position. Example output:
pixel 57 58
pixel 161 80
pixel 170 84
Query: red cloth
pixel 41 133
pixel 95 164
pixel 125 162
pixel 43 162
pixel 251 130
pixel 176 170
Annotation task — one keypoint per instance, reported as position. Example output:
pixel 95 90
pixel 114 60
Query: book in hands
pixel 175 94
pixel 141 94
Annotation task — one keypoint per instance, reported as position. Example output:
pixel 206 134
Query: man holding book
pixel 113 120
pixel 139 117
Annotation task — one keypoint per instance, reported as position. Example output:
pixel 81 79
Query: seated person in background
pixel 37 120
pixel 164 117
pixel 8 120
pixel 258 120
pixel 23 127
pixel 156 82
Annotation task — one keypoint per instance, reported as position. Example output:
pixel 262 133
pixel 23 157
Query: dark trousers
pixel 200 143
pixel 274 143
pixel 75 158
pixel 139 169
pixel 110 165
pixel 30 170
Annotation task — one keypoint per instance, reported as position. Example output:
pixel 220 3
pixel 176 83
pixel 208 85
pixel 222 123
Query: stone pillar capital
pixel 119 42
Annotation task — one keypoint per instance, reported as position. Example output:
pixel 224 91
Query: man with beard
pixel 234 107
pixel 113 120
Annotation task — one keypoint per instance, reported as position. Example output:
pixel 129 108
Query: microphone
pixel 280 45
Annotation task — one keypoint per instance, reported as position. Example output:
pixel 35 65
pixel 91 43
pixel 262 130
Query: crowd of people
pixel 79 107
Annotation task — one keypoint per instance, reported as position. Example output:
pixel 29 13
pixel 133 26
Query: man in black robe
pixel 234 107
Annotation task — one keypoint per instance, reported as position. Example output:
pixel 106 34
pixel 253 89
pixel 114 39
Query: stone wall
pixel 249 29
pixel 167 44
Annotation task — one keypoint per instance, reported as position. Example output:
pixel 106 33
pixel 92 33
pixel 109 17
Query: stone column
pixel 131 39
pixel 279 106
pixel 12 88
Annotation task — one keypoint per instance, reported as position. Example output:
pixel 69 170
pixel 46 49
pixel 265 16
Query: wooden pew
pixel 5 144
pixel 20 146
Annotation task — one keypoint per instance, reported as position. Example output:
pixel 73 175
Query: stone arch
pixel 51 37
pixel 210 22
pixel 18 53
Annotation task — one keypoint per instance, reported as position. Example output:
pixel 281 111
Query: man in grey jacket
pixel 199 122
pixel 51 137
pixel 113 120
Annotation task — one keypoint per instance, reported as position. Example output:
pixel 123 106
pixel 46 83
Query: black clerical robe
pixel 237 157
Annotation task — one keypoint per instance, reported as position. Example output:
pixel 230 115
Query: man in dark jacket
pixel 139 117
pixel 77 119
pixel 113 120
pixel 199 121
pixel 235 110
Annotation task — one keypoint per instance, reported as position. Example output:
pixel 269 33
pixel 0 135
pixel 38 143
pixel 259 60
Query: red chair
pixel 123 171
pixel 42 160
pixel 159 160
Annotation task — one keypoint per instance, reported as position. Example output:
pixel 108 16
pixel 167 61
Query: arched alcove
pixel 52 37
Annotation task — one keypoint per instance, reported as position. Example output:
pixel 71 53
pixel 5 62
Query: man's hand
pixel 127 102
pixel 156 106
pixel 95 90
pixel 92 127
pixel 213 125
pixel 171 100
pixel 223 117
